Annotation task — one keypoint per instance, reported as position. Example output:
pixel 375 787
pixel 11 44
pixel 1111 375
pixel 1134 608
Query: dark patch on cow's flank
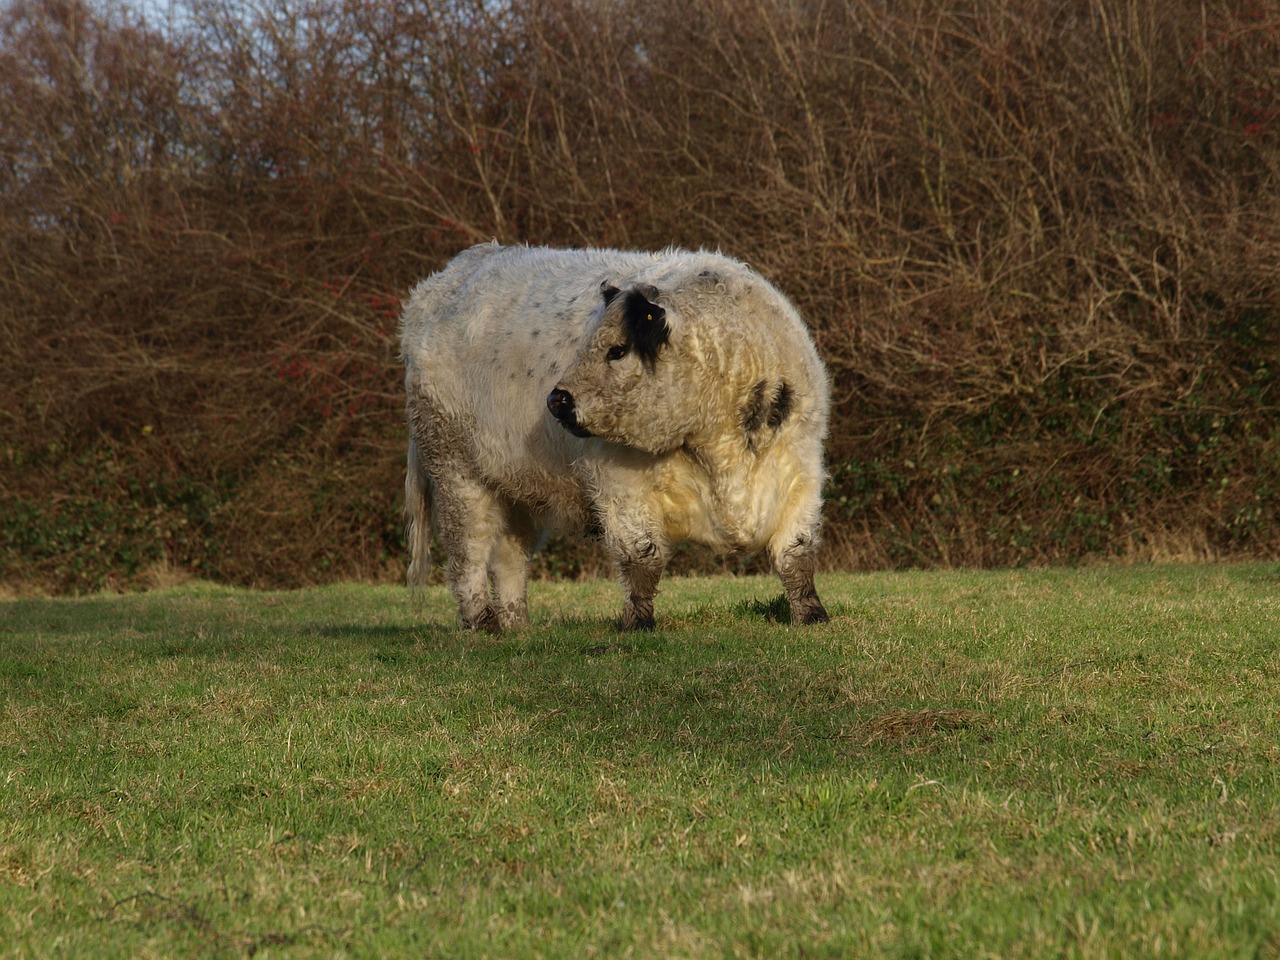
pixel 761 410
pixel 644 324
pixel 780 409
pixel 754 413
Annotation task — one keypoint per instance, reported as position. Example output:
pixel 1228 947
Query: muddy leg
pixel 795 563
pixel 509 571
pixel 640 564
pixel 471 523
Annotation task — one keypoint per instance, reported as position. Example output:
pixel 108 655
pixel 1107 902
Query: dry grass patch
pixel 899 725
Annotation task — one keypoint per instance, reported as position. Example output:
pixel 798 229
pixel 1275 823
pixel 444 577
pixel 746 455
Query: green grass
pixel 1044 763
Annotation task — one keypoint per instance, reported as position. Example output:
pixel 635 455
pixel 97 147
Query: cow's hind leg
pixel 417 512
pixel 471 521
pixel 509 569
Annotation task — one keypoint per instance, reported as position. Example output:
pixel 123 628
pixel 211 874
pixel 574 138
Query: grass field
pixel 1035 763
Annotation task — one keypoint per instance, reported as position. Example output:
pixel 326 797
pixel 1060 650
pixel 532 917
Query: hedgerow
pixel 1036 242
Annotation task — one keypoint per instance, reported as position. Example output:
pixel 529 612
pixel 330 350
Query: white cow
pixel 650 397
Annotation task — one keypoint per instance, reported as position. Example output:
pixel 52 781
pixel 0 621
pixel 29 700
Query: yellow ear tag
pixel 649 317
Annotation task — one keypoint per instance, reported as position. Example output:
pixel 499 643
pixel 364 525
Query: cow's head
pixel 627 384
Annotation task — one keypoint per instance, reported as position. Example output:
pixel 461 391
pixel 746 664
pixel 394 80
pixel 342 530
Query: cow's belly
pixel 685 517
pixel 729 518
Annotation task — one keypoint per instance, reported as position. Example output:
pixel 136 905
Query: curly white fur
pixel 710 431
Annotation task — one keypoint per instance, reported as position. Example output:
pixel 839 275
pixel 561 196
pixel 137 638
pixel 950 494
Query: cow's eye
pixel 616 353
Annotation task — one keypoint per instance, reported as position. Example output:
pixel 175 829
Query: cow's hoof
pixel 514 616
pixel 810 612
pixel 486 620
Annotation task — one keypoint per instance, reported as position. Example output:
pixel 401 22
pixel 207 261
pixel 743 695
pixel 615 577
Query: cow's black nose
pixel 560 403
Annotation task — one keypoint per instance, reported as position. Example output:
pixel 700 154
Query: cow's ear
pixel 608 291
pixel 644 324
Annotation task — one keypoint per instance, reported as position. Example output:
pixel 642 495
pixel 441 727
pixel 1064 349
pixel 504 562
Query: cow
pixel 648 398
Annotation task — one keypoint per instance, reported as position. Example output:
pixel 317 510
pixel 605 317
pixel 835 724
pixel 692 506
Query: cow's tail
pixel 417 515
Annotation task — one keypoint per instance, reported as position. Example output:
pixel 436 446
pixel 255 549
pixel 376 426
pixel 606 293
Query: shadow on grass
pixel 777 610
pixel 380 633
pixel 722 678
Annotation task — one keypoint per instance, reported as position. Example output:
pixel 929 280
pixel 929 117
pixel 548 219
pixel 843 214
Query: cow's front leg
pixel 641 561
pixel 640 550
pixel 795 559
pixel 632 531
